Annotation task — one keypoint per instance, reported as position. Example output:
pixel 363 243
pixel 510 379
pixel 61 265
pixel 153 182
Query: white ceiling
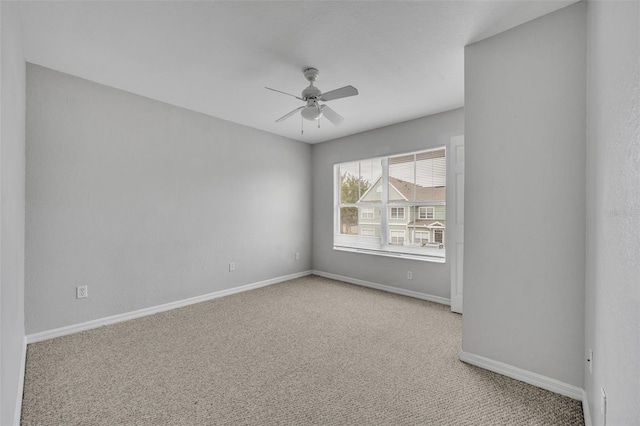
pixel 405 58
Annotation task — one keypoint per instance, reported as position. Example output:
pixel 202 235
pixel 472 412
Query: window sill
pixel 423 258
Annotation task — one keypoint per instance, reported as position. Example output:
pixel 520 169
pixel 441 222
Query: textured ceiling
pixel 405 58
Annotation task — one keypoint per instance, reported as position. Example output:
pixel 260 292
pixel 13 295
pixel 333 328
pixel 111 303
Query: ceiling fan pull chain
pixel 301 126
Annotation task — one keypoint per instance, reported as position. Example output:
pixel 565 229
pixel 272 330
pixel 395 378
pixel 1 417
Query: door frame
pixel 455 225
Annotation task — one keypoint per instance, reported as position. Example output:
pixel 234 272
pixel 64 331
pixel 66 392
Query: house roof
pixel 406 189
pixel 423 193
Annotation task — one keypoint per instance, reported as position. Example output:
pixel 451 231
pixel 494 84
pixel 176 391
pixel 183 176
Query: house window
pixel 366 212
pixel 388 200
pixel 421 237
pixel 426 212
pixel 397 212
pixel 367 232
pixel 397 237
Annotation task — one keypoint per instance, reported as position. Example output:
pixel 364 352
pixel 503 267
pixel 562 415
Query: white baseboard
pixel 75 328
pixel 410 293
pixel 23 366
pixel 534 379
pixel 585 409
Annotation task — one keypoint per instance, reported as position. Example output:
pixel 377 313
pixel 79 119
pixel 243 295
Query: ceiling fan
pixel 312 95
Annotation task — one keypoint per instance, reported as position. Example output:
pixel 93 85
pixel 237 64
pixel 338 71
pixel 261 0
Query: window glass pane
pixel 356 178
pixel 431 174
pixel 401 178
pixel 349 182
pixel 370 172
pixel 370 221
pixel 349 220
pixel 423 221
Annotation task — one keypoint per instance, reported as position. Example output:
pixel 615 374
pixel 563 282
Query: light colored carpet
pixel 307 351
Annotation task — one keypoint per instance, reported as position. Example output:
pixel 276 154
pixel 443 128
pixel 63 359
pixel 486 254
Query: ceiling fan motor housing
pixel 311 92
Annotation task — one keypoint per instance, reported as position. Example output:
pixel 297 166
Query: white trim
pixel 23 366
pixel 436 225
pixel 585 409
pixel 75 328
pixel 388 253
pixel 534 379
pixel 389 289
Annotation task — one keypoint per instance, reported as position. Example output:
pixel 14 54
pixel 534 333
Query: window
pixel 397 237
pixel 398 203
pixel 397 212
pixel 426 212
pixel 366 212
pixel 421 237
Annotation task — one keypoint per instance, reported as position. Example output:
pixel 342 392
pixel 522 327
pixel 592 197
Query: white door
pixel 457 239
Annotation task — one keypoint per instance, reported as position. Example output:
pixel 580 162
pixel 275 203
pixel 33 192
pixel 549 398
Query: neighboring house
pixel 412 225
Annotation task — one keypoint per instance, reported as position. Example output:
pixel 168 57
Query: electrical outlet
pixel 590 360
pixel 409 275
pixel 232 266
pixel 82 292
pixel 297 256
pixel 603 408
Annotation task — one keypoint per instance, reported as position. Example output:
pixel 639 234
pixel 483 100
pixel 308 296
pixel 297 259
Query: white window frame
pixel 398 210
pixel 379 245
pixel 370 211
pixel 421 240
pixel 427 210
pixel 398 235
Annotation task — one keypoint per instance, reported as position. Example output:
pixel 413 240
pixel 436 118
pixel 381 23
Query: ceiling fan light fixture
pixel 311 113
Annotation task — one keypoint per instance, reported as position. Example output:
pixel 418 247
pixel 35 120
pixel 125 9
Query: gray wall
pixel 12 208
pixel 147 203
pixel 428 278
pixel 525 159
pixel 613 211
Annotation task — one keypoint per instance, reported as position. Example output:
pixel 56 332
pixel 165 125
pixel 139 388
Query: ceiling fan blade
pixel 331 115
pixel 342 92
pixel 284 117
pixel 280 91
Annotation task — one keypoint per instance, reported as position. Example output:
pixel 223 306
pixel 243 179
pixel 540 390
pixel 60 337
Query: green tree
pixel 351 189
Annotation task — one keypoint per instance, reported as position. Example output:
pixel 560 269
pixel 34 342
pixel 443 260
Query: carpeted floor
pixel 307 351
